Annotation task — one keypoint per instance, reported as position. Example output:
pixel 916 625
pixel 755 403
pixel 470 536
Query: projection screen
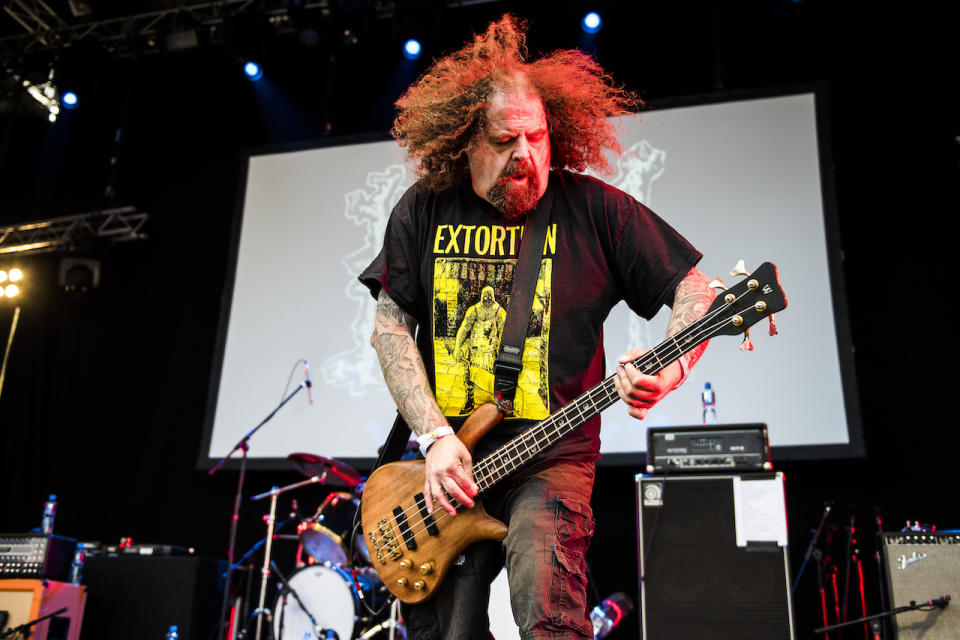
pixel 741 179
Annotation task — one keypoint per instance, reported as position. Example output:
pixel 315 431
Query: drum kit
pixel 335 591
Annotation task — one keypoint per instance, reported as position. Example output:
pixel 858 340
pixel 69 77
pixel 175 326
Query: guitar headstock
pixel 744 304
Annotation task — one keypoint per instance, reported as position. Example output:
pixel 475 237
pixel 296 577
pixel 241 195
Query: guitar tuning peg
pixel 773 325
pixel 739 269
pixel 717 283
pixel 746 345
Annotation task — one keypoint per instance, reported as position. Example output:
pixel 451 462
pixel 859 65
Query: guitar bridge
pixel 384 542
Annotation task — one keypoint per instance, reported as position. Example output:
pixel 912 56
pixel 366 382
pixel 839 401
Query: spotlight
pixel 591 22
pixel 11 290
pixel 69 100
pixel 15 275
pixel 79 275
pixel 45 94
pixel 253 70
pixel 411 49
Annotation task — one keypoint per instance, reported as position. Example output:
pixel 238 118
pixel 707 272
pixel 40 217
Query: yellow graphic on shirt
pixel 470 298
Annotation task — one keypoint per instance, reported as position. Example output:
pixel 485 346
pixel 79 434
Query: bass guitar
pixel 412 550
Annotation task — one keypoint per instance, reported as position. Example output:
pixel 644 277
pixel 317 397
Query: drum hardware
pixel 243 446
pixel 260 611
pixel 273 494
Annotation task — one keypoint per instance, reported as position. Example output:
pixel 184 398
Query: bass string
pixel 696 333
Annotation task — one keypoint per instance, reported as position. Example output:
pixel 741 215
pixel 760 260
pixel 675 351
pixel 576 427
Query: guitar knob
pixel 406 563
pixel 746 345
pixel 420 585
pixel 739 269
pixel 773 325
pixel 426 568
pixel 401 581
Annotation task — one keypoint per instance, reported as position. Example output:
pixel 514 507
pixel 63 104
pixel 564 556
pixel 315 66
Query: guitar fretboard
pixel 521 449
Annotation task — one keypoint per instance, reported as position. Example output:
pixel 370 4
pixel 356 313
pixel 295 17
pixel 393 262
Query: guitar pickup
pixel 427 517
pixel 404 528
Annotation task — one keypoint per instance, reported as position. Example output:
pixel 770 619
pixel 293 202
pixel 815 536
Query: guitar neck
pixel 521 449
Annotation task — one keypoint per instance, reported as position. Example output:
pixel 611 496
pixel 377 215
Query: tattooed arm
pixel 449 464
pixel 691 300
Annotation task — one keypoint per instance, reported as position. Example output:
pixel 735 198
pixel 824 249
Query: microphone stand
pixel 813 542
pixel 289 589
pixel 243 446
pixel 28 625
pixel 929 605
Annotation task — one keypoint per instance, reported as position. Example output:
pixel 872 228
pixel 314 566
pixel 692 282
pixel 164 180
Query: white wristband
pixel 428 439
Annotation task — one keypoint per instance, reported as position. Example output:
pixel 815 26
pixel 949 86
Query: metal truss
pixel 68 232
pixel 47 31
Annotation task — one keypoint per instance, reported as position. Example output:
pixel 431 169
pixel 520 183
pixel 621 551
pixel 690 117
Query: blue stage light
pixel 69 100
pixel 253 70
pixel 411 49
pixel 591 22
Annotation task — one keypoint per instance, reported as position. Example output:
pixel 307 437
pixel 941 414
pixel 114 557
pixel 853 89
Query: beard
pixel 510 199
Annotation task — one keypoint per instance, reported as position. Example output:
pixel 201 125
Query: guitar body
pixel 391 497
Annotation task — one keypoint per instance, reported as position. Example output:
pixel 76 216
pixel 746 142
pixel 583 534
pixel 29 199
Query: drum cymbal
pixel 338 474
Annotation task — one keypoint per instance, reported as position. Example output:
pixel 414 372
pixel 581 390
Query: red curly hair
pixel 442 113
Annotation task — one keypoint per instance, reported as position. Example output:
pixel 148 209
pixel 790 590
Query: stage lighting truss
pixel 137 33
pixel 70 232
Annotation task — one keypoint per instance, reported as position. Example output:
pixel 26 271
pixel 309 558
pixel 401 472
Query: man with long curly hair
pixel 496 139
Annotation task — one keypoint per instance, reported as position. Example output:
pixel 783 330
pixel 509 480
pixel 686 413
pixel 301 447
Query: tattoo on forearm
pixel 691 301
pixel 402 367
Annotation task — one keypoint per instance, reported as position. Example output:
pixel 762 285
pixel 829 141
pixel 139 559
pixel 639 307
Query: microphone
pixel 941 602
pixel 307 382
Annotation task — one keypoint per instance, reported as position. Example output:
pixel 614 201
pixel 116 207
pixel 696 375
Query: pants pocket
pixel 568 592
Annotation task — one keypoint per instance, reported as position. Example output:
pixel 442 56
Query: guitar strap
pixel 509 361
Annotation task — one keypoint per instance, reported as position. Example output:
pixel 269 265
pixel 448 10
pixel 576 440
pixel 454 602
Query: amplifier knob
pixel 420 585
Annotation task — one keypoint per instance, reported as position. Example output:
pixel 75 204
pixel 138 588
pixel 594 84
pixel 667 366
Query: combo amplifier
pixel 922 566
pixel 35 555
pixel 736 448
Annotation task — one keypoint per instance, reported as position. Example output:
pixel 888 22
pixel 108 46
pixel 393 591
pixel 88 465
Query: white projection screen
pixel 741 179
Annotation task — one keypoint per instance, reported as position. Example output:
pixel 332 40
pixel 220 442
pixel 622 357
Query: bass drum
pixel 328 594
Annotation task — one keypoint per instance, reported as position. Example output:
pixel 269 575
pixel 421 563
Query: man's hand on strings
pixel 449 473
pixel 641 392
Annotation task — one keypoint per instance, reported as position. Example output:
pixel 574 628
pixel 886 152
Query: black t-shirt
pixel 447 260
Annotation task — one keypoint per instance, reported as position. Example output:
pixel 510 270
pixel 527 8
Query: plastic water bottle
pixel 608 614
pixel 49 512
pixel 76 568
pixel 172 633
pixel 709 401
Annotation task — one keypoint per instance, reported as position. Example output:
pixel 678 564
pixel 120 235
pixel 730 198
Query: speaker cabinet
pixel 143 596
pixel 713 558
pixel 28 600
pixel 921 567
